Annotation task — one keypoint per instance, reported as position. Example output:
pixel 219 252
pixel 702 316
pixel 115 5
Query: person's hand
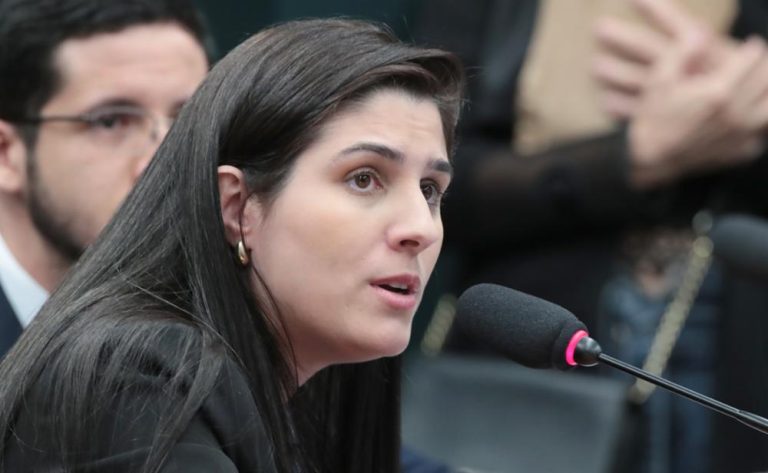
pixel 626 51
pixel 685 123
pixel 695 101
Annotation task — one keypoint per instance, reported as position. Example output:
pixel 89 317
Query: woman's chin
pixel 386 345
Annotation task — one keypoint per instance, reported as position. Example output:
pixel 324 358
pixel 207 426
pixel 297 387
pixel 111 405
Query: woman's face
pixel 347 246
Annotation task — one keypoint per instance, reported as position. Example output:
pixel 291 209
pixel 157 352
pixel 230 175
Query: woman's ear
pixel 233 198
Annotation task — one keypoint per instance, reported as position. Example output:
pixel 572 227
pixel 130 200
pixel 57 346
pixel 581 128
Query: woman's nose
pixel 415 224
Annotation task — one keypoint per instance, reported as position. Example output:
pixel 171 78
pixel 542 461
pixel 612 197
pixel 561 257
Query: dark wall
pixel 234 20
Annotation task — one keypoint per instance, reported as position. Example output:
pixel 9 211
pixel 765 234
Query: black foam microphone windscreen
pixel 741 242
pixel 526 329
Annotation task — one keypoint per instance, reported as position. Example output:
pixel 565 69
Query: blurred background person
pixel 696 104
pixel 556 198
pixel 87 92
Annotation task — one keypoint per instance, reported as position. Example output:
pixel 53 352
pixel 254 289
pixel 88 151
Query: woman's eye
pixel 431 193
pixel 364 181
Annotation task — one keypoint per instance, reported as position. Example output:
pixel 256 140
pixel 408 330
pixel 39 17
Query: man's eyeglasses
pixel 120 127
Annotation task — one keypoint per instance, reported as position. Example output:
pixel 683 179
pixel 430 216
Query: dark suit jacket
pixel 10 329
pixel 226 434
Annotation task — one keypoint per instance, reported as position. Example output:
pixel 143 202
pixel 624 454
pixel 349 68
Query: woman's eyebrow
pixel 376 148
pixel 437 164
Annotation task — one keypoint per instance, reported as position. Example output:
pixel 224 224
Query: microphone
pixel 540 334
pixel 530 331
pixel 741 242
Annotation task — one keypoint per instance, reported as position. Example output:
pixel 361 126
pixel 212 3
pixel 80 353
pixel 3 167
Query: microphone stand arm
pixel 747 418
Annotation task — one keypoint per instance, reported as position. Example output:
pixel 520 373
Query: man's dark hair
pixel 32 30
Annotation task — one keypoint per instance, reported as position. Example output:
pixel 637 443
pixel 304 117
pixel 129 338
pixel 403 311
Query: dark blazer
pixel 226 434
pixel 10 329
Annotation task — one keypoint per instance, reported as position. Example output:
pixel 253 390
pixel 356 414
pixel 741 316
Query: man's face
pixel 80 172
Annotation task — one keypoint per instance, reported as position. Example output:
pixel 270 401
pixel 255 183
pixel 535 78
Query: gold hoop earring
pixel 242 253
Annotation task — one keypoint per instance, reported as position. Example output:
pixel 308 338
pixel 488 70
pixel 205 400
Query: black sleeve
pixel 198 451
pixel 226 433
pixel 498 199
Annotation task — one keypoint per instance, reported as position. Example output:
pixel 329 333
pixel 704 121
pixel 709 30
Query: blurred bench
pixel 492 415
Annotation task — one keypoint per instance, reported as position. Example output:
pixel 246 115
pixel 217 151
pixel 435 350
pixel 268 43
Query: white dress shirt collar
pixel 24 294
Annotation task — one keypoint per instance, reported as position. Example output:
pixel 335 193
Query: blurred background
pixel 233 20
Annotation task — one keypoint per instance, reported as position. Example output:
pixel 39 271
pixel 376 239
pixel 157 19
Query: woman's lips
pixel 396 300
pixel 399 292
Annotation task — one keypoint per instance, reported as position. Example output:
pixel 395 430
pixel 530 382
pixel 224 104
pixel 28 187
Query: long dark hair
pixel 164 259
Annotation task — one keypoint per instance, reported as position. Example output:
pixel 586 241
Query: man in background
pixel 87 92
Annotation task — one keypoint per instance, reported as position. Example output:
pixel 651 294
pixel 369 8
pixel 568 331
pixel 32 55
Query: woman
pixel 243 310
